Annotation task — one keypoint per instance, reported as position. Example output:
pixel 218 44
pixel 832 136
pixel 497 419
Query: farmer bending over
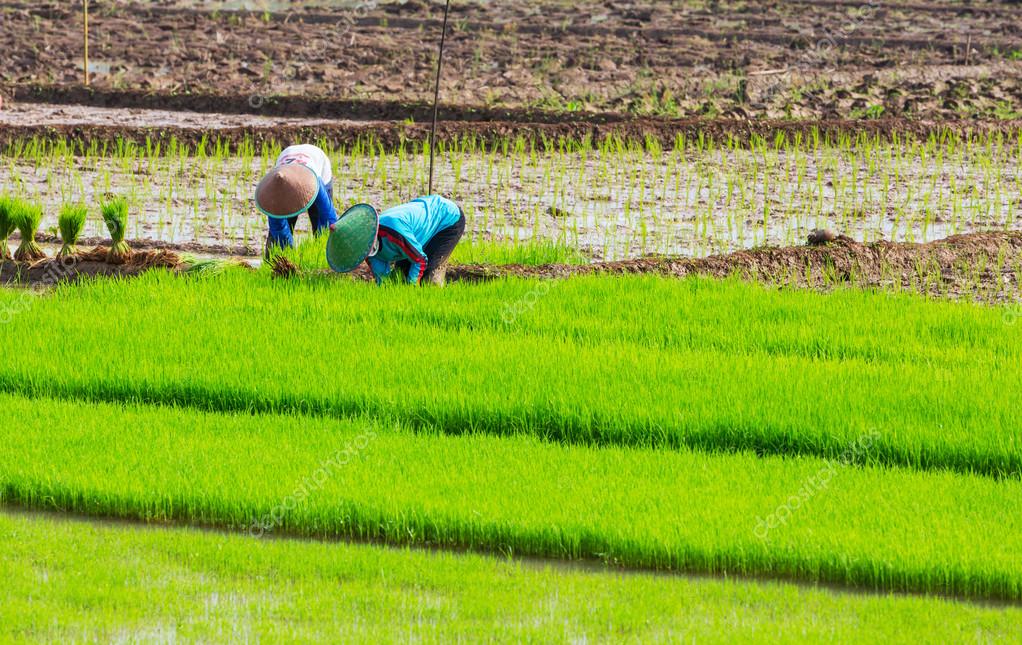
pixel 300 182
pixel 417 238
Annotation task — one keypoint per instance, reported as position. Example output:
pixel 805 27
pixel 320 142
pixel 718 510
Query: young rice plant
pixel 71 222
pixel 115 215
pixel 27 217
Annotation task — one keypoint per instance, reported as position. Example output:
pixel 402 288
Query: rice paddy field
pixel 609 200
pixel 701 372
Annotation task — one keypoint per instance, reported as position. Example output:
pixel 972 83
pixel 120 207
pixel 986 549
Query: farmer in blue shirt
pixel 301 181
pixel 417 238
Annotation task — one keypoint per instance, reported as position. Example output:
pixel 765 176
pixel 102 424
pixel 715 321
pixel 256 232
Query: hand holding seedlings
pixel 418 238
pixel 27 217
pixel 71 222
pixel 115 214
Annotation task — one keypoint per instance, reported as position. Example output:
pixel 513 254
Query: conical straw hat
pixel 352 238
pixel 287 191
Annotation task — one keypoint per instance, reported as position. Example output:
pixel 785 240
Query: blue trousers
pixel 319 221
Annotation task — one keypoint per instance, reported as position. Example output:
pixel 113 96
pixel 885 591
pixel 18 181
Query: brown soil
pixel 227 250
pixel 811 59
pixel 985 266
pixel 49 272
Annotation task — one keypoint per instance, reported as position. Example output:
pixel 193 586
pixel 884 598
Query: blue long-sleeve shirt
pixel 322 214
pixel 405 230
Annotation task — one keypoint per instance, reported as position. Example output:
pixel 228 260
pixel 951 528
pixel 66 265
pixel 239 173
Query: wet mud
pixel 769 59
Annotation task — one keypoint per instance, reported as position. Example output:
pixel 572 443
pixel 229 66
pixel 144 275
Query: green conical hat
pixel 352 238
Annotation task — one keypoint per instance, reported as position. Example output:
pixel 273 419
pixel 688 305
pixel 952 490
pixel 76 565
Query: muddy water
pixel 609 205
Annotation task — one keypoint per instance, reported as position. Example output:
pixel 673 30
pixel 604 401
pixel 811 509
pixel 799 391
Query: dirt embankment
pixel 52 271
pixel 981 266
pixel 986 266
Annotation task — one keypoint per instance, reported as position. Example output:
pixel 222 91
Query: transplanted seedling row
pixel 800 518
pixel 626 361
pixel 609 198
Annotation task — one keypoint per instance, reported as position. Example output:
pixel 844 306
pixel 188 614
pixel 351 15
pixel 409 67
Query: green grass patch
pixel 309 254
pixel 739 514
pixel 75 581
pixel 527 253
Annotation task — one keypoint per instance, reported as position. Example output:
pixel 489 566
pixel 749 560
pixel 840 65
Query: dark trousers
pixel 438 249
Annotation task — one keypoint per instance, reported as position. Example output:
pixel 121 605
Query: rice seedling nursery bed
pixel 643 409
pixel 187 585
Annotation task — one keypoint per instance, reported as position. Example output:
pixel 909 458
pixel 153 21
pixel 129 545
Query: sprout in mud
pixel 27 217
pixel 6 226
pixel 71 222
pixel 115 214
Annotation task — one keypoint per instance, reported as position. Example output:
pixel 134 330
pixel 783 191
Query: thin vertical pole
pixel 85 11
pixel 436 98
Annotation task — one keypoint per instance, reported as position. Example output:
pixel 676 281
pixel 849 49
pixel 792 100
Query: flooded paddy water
pixel 611 202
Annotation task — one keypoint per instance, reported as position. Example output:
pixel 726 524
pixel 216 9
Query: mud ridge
pixel 234 250
pixel 87 264
pixel 958 266
pixel 957 9
pixel 290 106
pixel 992 260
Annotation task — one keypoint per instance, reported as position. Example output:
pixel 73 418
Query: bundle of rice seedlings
pixel 27 217
pixel 71 222
pixel 283 267
pixel 115 214
pixel 6 226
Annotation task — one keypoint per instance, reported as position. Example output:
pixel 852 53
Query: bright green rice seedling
pixel 6 226
pixel 102 594
pixel 115 214
pixel 639 361
pixel 27 217
pixel 797 518
pixel 71 222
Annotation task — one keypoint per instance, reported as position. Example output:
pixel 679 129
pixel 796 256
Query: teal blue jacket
pixel 405 231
